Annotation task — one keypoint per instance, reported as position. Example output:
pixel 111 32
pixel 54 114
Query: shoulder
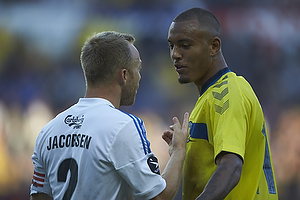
pixel 134 120
pixel 121 116
pixel 132 117
pixel 233 85
pixel 240 87
pixel 238 81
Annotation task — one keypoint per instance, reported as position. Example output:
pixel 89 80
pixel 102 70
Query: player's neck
pixel 217 64
pixel 110 93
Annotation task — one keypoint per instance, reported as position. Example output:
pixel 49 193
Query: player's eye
pixel 171 46
pixel 185 46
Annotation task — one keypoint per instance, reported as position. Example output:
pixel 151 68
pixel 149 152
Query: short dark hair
pixel 204 17
pixel 103 53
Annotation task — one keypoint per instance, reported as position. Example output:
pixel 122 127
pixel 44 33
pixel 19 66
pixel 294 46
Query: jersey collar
pixel 93 101
pixel 214 79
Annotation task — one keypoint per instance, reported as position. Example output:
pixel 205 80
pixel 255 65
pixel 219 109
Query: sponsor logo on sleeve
pixel 153 164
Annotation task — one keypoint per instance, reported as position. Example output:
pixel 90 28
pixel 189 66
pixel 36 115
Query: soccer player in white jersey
pixel 93 150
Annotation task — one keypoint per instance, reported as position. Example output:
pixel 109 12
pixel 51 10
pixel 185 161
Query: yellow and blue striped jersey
pixel 228 117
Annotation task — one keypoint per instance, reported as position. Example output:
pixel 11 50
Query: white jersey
pixel 95 151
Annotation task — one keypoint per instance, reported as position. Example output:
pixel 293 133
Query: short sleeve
pixel 229 121
pixel 132 158
pixel 40 182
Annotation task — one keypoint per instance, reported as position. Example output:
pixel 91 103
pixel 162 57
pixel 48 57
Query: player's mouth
pixel 179 68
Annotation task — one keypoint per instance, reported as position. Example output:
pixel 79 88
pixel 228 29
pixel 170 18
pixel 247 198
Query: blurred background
pixel 40 73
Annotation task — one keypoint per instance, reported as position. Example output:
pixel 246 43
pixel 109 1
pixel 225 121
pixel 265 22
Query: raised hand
pixel 177 136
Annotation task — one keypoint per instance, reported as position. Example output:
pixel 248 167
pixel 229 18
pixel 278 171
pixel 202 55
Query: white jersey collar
pixel 90 101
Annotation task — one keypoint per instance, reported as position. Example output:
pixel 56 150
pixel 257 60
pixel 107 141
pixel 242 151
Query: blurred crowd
pixel 40 73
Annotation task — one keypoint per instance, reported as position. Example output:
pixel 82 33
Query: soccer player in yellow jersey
pixel 228 153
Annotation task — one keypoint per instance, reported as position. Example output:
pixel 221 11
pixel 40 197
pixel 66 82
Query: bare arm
pixel 176 139
pixel 224 179
pixel 40 196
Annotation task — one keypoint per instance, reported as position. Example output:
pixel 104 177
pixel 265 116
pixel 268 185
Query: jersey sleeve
pixel 229 119
pixel 134 161
pixel 40 182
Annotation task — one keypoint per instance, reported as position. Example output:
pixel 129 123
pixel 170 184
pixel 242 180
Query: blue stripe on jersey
pixel 268 167
pixel 139 124
pixel 199 131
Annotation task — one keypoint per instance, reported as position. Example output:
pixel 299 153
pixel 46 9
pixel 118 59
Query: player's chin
pixel 128 100
pixel 183 80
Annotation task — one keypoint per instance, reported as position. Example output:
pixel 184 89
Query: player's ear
pixel 215 46
pixel 122 76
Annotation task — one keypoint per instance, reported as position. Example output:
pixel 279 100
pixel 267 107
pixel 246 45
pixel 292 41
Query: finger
pixel 166 139
pixel 172 127
pixel 167 136
pixel 175 120
pixel 176 123
pixel 185 123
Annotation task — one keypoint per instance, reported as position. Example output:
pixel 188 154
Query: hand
pixel 177 136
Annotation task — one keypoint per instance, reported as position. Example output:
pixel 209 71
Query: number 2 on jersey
pixel 64 167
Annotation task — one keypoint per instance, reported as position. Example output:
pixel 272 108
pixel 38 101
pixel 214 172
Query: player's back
pixel 75 150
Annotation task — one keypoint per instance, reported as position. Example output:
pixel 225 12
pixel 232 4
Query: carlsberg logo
pixel 74 121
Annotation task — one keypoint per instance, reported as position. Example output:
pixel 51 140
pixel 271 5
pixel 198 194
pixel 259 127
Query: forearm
pixel 219 185
pixel 173 174
pixel 224 179
pixel 176 139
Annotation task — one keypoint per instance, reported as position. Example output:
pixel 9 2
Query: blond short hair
pixel 104 53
